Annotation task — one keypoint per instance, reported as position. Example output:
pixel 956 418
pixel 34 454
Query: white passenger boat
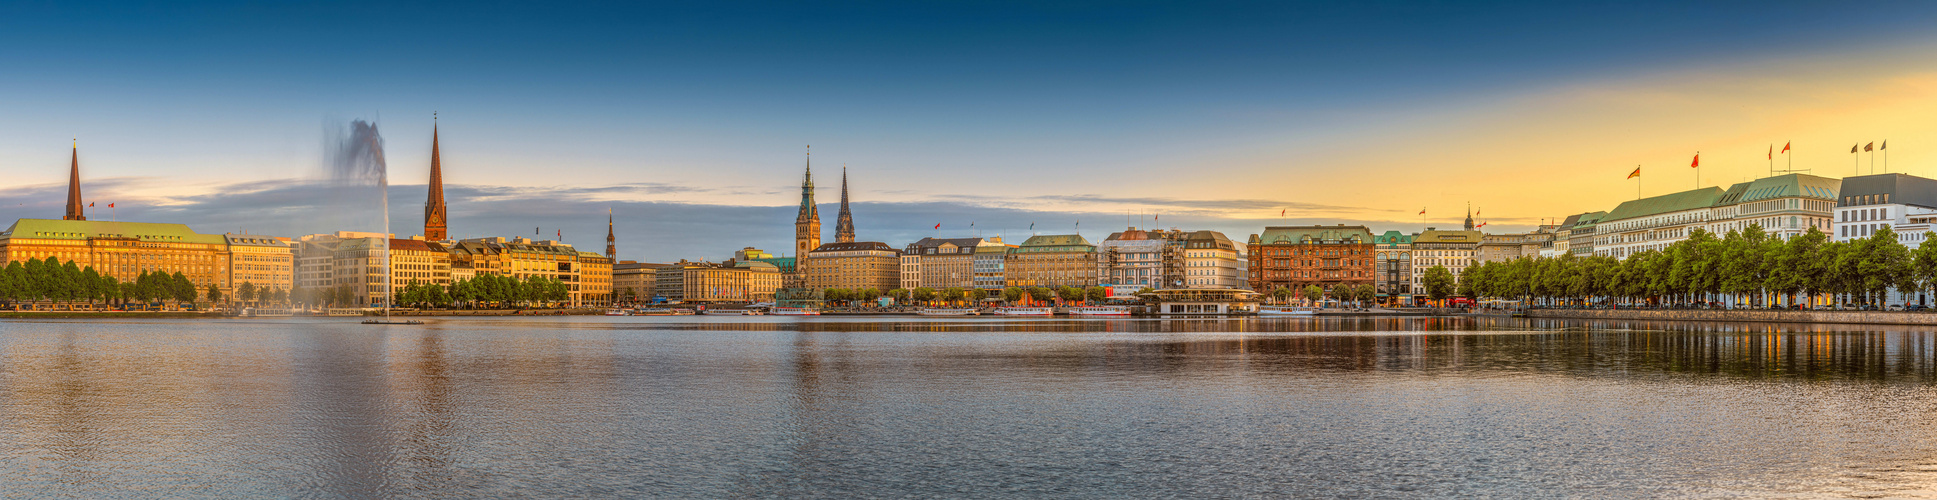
pixel 1024 311
pixel 794 311
pixel 1100 311
pixel 663 311
pixel 1285 311
pixel 617 312
pixel 945 311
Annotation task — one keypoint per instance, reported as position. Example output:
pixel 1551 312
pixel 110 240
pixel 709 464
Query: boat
pixel 617 312
pixel 1285 311
pixel 1100 311
pixel 662 311
pixel 795 311
pixel 1024 311
pixel 751 312
pixel 945 311
pixel 392 322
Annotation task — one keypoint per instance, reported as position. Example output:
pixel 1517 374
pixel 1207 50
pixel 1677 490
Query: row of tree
pixel 1746 266
pixel 1350 293
pixel 51 280
pixel 485 291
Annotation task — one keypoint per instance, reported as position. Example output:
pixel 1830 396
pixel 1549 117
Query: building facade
pixel 264 262
pixel 1132 260
pixel 1052 261
pixel 1392 267
pixel 854 265
pixel 123 250
pixel 1454 250
pixel 1296 257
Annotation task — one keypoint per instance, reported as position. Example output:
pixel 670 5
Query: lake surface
pixel 975 407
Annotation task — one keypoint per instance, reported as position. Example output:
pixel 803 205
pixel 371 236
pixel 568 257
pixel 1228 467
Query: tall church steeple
pixel 844 223
pixel 434 218
pixel 807 225
pixel 611 245
pixel 74 206
pixel 1469 217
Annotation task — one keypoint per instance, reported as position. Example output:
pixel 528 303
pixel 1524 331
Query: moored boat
pixel 794 311
pixel 617 312
pixel 945 311
pixel 1100 311
pixel 1024 311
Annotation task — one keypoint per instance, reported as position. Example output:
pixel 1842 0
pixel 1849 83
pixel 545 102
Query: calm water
pixel 766 406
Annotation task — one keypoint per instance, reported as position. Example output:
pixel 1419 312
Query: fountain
pixel 356 159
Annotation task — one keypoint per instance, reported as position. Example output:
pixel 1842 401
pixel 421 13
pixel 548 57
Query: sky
pixel 691 122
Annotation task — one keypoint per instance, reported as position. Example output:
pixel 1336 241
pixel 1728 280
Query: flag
pixel 1032 226
pixel 90 204
pixel 1772 151
pixel 1422 211
pixel 1697 163
pixel 1785 147
pixel 1480 225
pixel 938 225
pixel 110 205
pixel 1637 173
pixel 1281 212
pixel 561 234
pixel 1869 147
pixel 1853 148
pixel 1476 213
pixel 1886 145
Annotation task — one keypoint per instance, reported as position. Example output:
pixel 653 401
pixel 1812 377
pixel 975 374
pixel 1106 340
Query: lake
pixel 964 407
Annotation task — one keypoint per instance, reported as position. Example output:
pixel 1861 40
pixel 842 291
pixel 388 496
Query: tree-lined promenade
pixel 1746 267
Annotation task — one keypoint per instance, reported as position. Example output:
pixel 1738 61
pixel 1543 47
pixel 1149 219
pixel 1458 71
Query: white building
pixel 1785 206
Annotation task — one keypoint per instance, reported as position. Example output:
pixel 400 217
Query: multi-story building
pixel 1132 260
pixel 264 262
pixel 421 262
pixel 523 258
pixel 1906 204
pixel 854 265
pixel 1299 256
pixel 123 250
pixel 1580 233
pixel 941 263
pixel 807 226
pixel 1052 261
pixel 634 281
pixel 1785 206
pixel 910 270
pixel 1500 247
pixel 1454 250
pixel 1392 267
pixel 594 280
pixel 991 264
pixel 1214 261
pixel 757 281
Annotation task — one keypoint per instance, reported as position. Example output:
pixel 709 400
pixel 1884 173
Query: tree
pixel 1438 282
pixel 1041 294
pixel 1013 294
pixel 214 293
pixel 1069 293
pixel 1096 294
pixel 1314 293
pixel 954 294
pixel 924 294
pixel 1283 293
pixel 246 292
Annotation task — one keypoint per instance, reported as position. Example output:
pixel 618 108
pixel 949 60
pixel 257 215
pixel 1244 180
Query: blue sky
pixel 1214 113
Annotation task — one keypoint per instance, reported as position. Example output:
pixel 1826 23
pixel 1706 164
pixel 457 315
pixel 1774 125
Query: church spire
pixel 1469 216
pixel 844 223
pixel 74 207
pixel 807 225
pixel 611 245
pixel 434 218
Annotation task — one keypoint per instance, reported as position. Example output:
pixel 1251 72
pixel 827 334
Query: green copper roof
pixel 1672 202
pixel 1294 235
pixel 1791 185
pixel 1055 243
pixel 84 229
pixel 1392 238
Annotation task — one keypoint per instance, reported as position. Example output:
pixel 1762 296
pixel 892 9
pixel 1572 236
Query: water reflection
pixel 760 407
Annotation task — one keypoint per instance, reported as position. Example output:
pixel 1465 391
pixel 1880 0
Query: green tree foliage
pixel 1438 282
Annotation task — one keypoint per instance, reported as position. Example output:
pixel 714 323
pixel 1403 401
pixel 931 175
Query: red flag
pixel 1422 211
pixel 561 234
pixel 90 204
pixel 1853 148
pixel 1281 212
pixel 1637 173
pixel 1697 163
pixel 110 205
pixel 938 225
pixel 1869 147
pixel 1785 147
pixel 1480 225
pixel 1772 151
